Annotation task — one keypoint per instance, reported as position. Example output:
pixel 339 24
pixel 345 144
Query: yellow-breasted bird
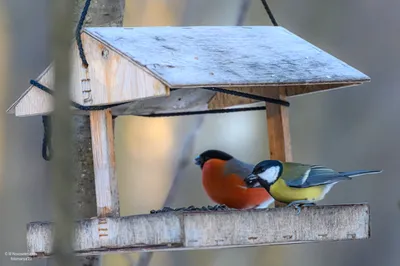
pixel 298 184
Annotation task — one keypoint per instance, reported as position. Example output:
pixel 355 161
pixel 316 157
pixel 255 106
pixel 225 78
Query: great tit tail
pixel 360 173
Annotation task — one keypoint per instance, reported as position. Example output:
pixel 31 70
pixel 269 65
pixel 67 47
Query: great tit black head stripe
pixel 268 171
pixel 252 181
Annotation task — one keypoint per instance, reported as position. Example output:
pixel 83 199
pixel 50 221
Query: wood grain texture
pixel 222 100
pixel 37 102
pixel 204 230
pixel 279 141
pixel 115 79
pixel 179 100
pixel 34 101
pixel 226 56
pixel 107 196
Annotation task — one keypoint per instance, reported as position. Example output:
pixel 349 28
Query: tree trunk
pixel 61 165
pixel 101 13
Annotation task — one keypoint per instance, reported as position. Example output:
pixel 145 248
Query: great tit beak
pixel 197 160
pixel 252 181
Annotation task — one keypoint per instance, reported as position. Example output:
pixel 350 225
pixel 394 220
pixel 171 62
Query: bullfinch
pixel 223 181
pixel 298 184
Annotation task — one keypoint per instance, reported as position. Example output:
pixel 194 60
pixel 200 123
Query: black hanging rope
pixel 269 12
pixel 47 149
pixel 213 111
pixel 74 104
pixel 78 33
pixel 46 143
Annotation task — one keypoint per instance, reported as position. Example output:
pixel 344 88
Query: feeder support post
pixel 280 147
pixel 100 13
pixel 101 124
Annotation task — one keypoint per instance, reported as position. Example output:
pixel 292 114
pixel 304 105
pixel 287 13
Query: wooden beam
pixel 36 102
pixel 280 147
pixel 279 142
pixel 222 100
pixel 205 230
pixel 107 198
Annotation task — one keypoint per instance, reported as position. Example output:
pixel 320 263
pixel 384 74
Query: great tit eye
pixel 261 169
pixel 251 181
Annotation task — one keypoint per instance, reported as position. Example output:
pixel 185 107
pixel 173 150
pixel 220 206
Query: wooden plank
pixel 187 57
pixel 178 100
pixel 280 147
pixel 291 91
pixel 37 102
pixel 204 230
pixel 222 100
pixel 116 79
pixel 107 198
pixel 34 102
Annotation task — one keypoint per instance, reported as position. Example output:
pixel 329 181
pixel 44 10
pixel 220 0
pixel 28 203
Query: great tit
pixel 222 178
pixel 298 184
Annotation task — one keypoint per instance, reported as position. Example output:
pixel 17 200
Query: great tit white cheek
pixel 270 175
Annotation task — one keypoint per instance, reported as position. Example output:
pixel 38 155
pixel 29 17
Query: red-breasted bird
pixel 223 180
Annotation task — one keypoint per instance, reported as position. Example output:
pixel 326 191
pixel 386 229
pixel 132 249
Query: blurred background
pixel 345 129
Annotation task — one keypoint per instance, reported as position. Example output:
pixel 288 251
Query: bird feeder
pixel 158 70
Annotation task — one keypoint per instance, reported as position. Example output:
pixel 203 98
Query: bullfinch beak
pixel 252 181
pixel 198 160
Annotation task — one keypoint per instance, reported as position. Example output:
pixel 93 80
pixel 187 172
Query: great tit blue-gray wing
pixel 311 175
pixel 237 167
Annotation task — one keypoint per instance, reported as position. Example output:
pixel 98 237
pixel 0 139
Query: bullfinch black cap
pixel 212 154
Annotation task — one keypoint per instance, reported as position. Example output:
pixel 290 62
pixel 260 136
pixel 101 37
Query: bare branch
pixel 101 13
pixel 184 161
pixel 244 7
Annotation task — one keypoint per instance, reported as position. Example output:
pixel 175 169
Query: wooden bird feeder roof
pixel 139 67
